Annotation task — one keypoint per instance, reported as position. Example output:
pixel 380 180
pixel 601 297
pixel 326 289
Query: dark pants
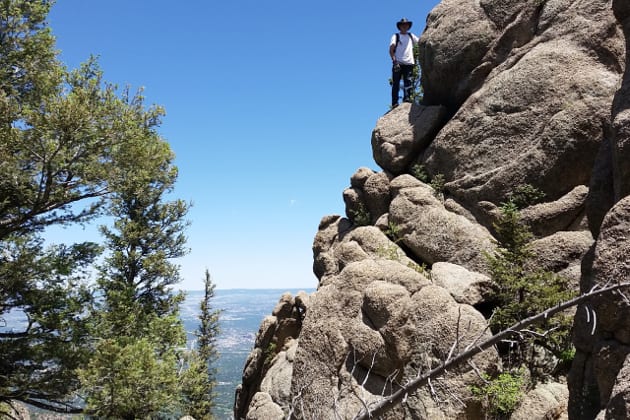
pixel 404 72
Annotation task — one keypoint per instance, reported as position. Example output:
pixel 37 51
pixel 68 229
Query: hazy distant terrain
pixel 243 310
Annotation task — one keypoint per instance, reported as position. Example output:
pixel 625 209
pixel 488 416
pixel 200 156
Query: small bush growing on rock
pixel 420 268
pixel 270 353
pixel 525 195
pixel 501 395
pixel 437 183
pixel 390 252
pixel 393 231
pixel 419 172
pixel 360 216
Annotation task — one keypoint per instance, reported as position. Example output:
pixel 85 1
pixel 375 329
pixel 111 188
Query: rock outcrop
pixel 540 101
pixel 599 378
pixel 265 390
pixel 516 93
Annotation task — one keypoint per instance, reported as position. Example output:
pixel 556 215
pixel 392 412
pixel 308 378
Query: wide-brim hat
pixel 403 20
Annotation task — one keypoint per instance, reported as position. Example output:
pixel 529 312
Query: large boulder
pixel 336 245
pixel 277 380
pixel 612 169
pixel 537 114
pixel 264 391
pixel 599 375
pixel 562 253
pixel 433 233
pixel 368 199
pixel 367 333
pixel 618 406
pixel 465 286
pixel 402 134
pixel 621 113
pixel 457 36
pixel 602 333
pixel 262 407
pixel 545 401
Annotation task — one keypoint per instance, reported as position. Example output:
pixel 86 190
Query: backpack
pixel 398 39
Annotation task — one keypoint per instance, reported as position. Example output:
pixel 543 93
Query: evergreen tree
pixel 200 376
pixel 525 289
pixel 139 311
pixel 63 135
pixel 72 148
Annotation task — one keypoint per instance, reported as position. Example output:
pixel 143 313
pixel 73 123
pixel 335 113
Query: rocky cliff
pixel 515 93
pixel 600 377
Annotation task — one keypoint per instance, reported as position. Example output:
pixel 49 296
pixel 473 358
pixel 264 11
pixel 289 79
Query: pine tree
pixel 524 289
pixel 139 311
pixel 200 377
pixel 63 135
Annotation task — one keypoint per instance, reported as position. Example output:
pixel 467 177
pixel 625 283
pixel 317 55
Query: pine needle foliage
pixel 139 311
pixel 501 395
pixel 199 380
pixel 73 148
pixel 524 289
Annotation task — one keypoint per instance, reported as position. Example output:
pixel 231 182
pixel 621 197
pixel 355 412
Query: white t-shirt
pixel 404 50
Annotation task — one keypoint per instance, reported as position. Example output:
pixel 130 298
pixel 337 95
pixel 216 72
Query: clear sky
pixel 270 107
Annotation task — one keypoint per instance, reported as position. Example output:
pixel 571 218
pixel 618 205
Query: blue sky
pixel 269 109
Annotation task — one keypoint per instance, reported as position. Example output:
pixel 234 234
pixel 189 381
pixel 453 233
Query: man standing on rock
pixel 403 62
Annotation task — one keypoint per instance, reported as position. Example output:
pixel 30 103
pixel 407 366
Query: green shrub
pixel 525 289
pixel 525 195
pixel 360 216
pixel 391 252
pixel 501 395
pixel 437 183
pixel 393 231
pixel 269 353
pixel 420 268
pixel 419 172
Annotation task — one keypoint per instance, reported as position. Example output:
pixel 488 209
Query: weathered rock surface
pixel 618 406
pixel 602 333
pixel 546 401
pixel 562 253
pixel 403 133
pixel 336 246
pixel 433 233
pixel 264 391
pixel 362 335
pixel 458 34
pixel 368 199
pixel 537 115
pixel 277 380
pixel 621 114
pixel 599 381
pixel 263 407
pixel 465 286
